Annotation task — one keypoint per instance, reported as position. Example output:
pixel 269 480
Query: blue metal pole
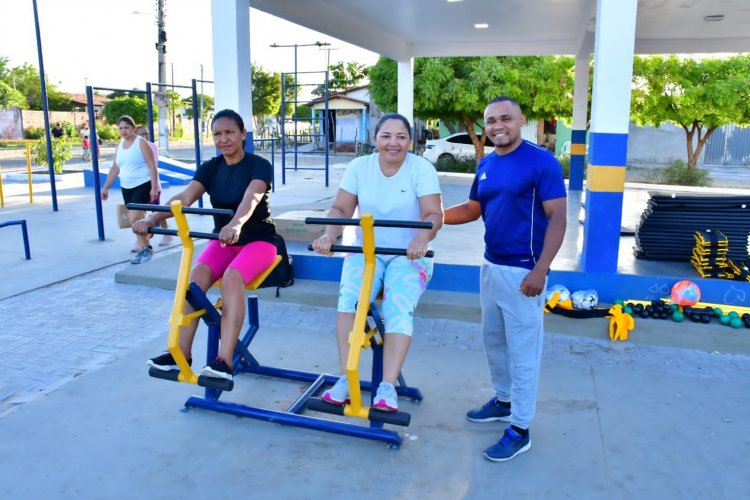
pixel 94 141
pixel 45 107
pixel 25 235
pixel 273 165
pixel 327 126
pixel 296 146
pixel 196 132
pixel 150 111
pixel 283 129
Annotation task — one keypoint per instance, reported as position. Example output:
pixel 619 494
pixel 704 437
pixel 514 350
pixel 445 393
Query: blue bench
pixel 25 233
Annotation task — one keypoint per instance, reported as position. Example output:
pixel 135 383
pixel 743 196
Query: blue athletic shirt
pixel 510 189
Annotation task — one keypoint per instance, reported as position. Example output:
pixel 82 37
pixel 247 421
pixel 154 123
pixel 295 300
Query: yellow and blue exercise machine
pixel 368 332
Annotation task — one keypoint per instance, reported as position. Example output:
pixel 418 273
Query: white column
pixel 613 65
pixel 230 22
pixel 581 92
pixel 578 133
pixel 406 89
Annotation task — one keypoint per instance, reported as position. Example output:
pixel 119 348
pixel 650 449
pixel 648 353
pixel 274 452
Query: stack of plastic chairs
pixel 737 270
pixel 710 254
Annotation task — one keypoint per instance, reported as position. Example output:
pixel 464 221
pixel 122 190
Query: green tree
pixel 699 96
pixel 175 103
pixel 342 76
pixel 4 66
pixel 266 98
pixel 61 153
pixel 27 82
pixel 135 107
pixel 458 88
pixel 208 105
pixel 9 97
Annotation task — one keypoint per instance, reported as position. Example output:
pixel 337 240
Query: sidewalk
pixel 80 418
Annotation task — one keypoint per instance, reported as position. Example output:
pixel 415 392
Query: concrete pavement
pixel 661 416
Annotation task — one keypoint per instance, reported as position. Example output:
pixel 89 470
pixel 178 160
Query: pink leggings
pixel 250 260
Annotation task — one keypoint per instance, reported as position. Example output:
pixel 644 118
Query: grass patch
pixel 678 174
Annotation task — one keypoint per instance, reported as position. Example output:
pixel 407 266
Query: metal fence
pixel 728 146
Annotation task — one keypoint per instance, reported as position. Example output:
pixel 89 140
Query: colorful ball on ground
pixel 685 293
pixel 585 299
pixel 562 289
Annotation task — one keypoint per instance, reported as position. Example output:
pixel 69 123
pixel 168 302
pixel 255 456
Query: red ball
pixel 685 293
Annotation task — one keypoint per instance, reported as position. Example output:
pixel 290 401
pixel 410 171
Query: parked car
pixel 457 147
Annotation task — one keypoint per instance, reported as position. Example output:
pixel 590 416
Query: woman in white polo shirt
pixel 391 184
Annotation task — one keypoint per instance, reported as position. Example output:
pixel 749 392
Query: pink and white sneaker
pixel 386 398
pixel 339 393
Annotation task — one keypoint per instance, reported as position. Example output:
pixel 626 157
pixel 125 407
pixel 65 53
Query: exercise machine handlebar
pixel 192 234
pixel 378 223
pixel 185 210
pixel 378 250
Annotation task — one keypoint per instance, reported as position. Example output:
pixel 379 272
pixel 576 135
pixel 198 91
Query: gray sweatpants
pixel 512 330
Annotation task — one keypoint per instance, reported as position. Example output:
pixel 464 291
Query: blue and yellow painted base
pixel 577 159
pixel 605 185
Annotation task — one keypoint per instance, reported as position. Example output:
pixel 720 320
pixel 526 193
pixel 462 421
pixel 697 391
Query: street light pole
pixel 161 93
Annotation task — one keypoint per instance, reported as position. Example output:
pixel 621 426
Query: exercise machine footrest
pixel 203 381
pixel 394 418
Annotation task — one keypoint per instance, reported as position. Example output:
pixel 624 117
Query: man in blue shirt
pixel 519 192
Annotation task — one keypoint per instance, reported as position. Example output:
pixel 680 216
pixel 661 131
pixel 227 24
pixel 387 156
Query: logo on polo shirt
pixel 483 176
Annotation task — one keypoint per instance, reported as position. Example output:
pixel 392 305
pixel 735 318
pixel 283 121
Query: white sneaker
pixel 165 240
pixel 386 398
pixel 339 393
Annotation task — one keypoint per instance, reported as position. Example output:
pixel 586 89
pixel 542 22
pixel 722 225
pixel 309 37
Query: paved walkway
pixel 79 417
pixel 84 420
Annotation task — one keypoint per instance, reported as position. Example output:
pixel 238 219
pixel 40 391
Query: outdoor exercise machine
pixel 363 336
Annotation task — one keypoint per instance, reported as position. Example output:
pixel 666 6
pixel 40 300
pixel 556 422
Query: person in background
pixel 142 132
pixel 86 148
pixel 134 164
pixel 57 131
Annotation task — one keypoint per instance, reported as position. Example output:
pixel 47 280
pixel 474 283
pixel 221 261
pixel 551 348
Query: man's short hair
pixel 505 98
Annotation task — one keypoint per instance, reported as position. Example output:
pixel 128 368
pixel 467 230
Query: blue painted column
pixel 230 21
pixel 608 139
pixel 580 118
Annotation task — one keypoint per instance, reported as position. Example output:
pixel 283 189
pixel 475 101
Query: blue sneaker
pixel 508 447
pixel 489 412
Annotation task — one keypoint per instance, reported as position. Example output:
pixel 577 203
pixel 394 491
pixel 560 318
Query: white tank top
pixel 133 166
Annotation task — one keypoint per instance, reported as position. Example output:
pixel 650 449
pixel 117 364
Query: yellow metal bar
pixel 357 335
pixel 178 317
pixel 27 143
pixel 606 179
pixel 577 149
pixel 28 171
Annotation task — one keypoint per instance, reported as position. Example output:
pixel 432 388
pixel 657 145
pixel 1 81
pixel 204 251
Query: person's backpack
pixel 282 275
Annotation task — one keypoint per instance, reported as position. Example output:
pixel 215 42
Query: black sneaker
pixel 218 368
pixel 165 362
